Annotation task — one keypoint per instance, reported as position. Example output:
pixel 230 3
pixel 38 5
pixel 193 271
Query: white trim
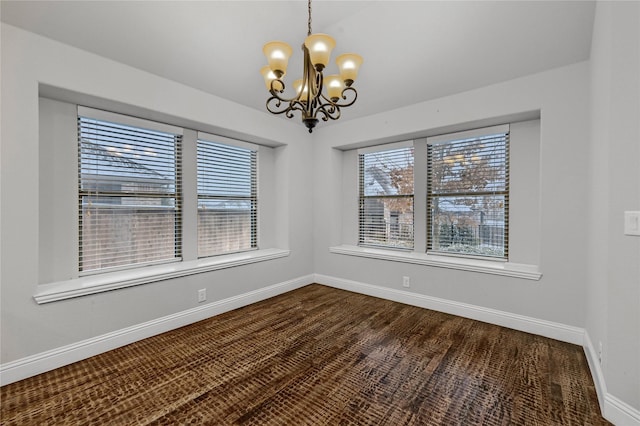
pixel 385 147
pixel 208 137
pixel 114 117
pixel 468 134
pixel 45 361
pixel 620 413
pixel 92 284
pixel 613 409
pixel 516 270
pixel 596 370
pixel 553 330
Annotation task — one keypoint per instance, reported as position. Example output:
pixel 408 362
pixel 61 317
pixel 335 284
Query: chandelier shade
pixel 317 97
pixel 278 54
pixel 335 86
pixel 320 47
pixel 349 64
pixel 269 76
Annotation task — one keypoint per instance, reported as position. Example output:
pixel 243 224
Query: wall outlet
pixel 406 282
pixel 202 295
pixel 631 223
pixel 600 352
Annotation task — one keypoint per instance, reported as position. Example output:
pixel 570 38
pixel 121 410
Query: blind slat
pixel 129 194
pixel 227 198
pixel 468 195
pixel 386 197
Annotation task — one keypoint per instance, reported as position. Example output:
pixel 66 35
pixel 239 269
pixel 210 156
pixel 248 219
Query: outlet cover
pixel 406 282
pixel 632 223
pixel 202 295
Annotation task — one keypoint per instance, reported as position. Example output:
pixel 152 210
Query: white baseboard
pixel 613 409
pixel 620 413
pixel 553 330
pixel 616 411
pixel 596 370
pixel 30 366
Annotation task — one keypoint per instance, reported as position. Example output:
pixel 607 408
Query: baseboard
pixel 596 370
pixel 30 366
pixel 620 413
pixel 540 327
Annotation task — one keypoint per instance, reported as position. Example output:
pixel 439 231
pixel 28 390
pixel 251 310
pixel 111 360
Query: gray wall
pixel 30 62
pixel 561 97
pixel 613 290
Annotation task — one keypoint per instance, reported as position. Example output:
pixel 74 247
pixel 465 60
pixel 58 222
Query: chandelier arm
pixel 346 90
pixel 275 106
pixel 274 92
pixel 328 110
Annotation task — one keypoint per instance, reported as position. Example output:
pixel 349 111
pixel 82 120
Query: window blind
pixel 386 198
pixel 468 195
pixel 129 200
pixel 227 198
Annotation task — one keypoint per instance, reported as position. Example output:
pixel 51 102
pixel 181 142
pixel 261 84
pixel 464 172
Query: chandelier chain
pixel 309 21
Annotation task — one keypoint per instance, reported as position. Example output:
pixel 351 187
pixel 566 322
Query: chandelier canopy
pixel 311 98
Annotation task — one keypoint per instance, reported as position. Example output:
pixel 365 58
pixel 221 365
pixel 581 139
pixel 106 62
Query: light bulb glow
pixel 277 53
pixel 334 86
pixel 320 47
pixel 349 64
pixel 269 76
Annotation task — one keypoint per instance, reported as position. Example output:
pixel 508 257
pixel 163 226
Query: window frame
pixel 107 119
pixel 58 251
pixel 460 138
pixel 363 233
pixel 252 198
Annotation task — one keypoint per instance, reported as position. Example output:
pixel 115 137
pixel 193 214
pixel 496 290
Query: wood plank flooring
pixel 319 356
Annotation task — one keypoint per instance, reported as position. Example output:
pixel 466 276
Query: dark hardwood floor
pixel 319 356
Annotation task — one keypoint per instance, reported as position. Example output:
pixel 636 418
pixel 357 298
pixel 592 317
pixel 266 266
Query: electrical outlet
pixel 406 282
pixel 600 352
pixel 631 223
pixel 202 295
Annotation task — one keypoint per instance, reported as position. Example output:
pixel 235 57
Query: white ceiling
pixel 413 50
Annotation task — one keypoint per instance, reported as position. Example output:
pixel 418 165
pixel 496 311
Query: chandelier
pixel 310 98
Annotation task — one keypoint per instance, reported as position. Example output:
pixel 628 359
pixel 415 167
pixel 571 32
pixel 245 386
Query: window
pixel 468 193
pixel 129 192
pixel 227 198
pixel 386 197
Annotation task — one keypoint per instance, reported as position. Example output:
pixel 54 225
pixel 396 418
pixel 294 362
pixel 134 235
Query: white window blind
pixel 227 198
pixel 468 194
pixel 386 197
pixel 129 200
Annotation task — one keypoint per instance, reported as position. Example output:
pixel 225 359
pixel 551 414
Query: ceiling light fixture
pixel 310 99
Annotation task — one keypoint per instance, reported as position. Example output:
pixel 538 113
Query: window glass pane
pixel 224 226
pixel 227 199
pixel 388 172
pixel 116 234
pixel 468 196
pixel 387 222
pixel 129 193
pixel 469 225
pixel 469 165
pixel 386 198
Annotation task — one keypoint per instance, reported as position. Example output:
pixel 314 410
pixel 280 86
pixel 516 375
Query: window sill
pixel 83 286
pixel 517 270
